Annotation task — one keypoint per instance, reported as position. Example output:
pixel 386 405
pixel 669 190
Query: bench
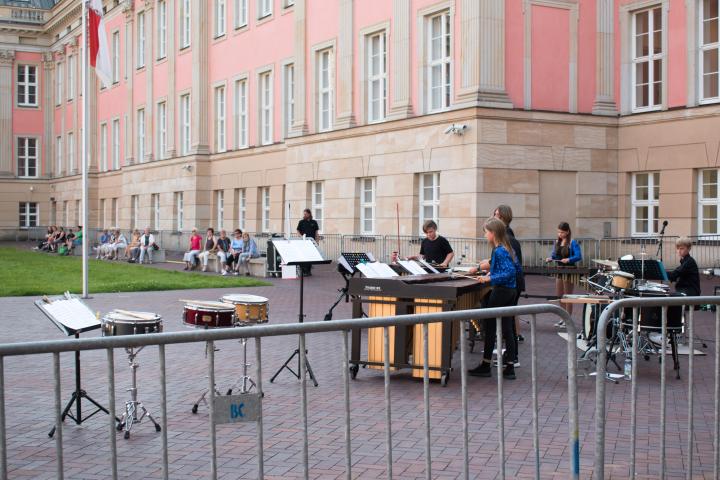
pixel 258 267
pixel 158 256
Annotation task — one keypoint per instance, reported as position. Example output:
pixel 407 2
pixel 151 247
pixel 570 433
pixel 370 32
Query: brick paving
pixel 29 405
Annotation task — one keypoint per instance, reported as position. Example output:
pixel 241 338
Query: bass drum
pixel 591 312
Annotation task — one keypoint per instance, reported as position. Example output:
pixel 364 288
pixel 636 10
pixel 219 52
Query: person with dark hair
pixel 309 228
pixel 435 248
pixel 236 246
pixel 566 252
pixel 209 247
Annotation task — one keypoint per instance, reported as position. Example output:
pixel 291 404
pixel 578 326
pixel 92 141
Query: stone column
pixel 129 77
pixel 7 57
pixel 171 96
pixel 300 125
pixel 48 106
pixel 345 116
pixel 199 144
pixel 605 60
pixel 149 65
pixel 400 47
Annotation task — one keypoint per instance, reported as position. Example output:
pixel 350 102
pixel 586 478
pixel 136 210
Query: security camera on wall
pixel 457 129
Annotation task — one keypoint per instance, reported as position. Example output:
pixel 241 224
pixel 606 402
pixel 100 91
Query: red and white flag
pixel 99 52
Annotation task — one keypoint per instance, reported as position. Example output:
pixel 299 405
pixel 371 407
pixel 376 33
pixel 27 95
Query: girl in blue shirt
pixel 503 272
pixel 566 252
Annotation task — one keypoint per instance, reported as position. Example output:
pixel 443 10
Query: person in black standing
pixel 435 249
pixel 686 276
pixel 308 227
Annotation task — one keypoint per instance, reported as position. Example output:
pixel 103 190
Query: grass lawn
pixel 24 272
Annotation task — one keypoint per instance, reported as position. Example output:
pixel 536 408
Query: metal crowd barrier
pixel 302 329
pixel 600 411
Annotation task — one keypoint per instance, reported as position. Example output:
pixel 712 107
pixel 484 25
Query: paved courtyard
pixel 29 401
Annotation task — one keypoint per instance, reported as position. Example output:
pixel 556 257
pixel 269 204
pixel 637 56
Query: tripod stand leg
pixel 285 365
pixel 310 371
pixel 66 411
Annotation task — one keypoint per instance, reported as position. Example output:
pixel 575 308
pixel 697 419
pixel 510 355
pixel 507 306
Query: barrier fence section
pixel 600 411
pixel 301 330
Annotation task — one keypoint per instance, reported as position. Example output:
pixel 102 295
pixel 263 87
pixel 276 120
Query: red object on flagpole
pixel 93 26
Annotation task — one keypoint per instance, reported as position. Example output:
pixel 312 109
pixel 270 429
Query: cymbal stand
pixel 132 406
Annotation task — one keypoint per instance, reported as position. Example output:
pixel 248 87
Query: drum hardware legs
pixel 296 374
pixel 133 406
pixel 202 398
pixel 246 383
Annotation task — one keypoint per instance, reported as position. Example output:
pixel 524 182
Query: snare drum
pixel 115 323
pixel 208 315
pixel 248 308
pixel 622 280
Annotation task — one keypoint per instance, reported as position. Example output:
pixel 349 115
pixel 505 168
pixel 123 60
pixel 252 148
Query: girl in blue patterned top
pixel 503 268
pixel 566 252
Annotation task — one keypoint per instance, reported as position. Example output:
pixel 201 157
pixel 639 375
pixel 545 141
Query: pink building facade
pixel 221 112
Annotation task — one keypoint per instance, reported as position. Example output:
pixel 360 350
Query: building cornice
pixel 685 113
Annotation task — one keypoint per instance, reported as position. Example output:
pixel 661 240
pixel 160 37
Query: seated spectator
pixel 58 240
pixel 133 245
pixel 194 246
pixel 76 239
pixel 119 245
pixel 223 250
pixel 106 240
pixel 147 245
pixel 248 250
pixel 209 247
pixel 235 250
pixel 45 244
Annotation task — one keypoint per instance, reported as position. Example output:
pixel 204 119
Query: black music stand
pixel 302 252
pixel 65 317
pixel 347 268
pixel 644 269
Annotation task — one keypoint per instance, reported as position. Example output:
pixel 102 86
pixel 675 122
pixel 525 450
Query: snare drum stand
pixel 206 391
pixel 130 417
pixel 244 379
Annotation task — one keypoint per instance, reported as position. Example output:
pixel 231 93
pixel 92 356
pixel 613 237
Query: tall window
pixel 58 154
pixel 161 130
pixel 367 206
pixel 645 203
pixel 241 118
pixel 134 209
pixel 219 208
pixel 185 124
pixel 266 108
pixel 71 63
pixel 376 77
pixel 59 83
pixel 242 208
pixel 219 18
pixel 103 147
pixel 155 213
pixel 27 84
pixel 141 40
pixel 220 132
pixel 429 197
pixel 438 62
pixel 28 214
pixel 179 211
pixel 116 57
pixel 27 157
pixel 264 8
pixel 647 60
pixel 709 52
pixel 141 135
pixel 162 29
pixel 317 202
pixel 325 90
pixel 708 201
pixel 116 144
pixel 266 209
pixel 185 23
pixel 288 98
pixel 70 153
pixel 241 13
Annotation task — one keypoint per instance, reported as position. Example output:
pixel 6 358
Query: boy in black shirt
pixel 435 248
pixel 686 276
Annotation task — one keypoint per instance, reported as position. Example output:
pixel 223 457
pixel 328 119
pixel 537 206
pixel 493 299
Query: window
pixel 28 215
pixel 708 201
pixel 219 208
pixel 70 153
pixel 367 206
pixel 241 13
pixel 185 124
pixel 220 132
pixel 264 8
pixel 134 209
pixel 27 157
pixel 325 90
pixel 103 147
pixel 161 130
pixel 242 204
pixel 27 85
pixel 116 57
pixel 58 155
pixel 155 214
pixel 71 64
pixel 266 108
pixel 219 18
pixel 141 135
pixel 647 60
pixel 376 77
pixel 709 52
pixel 141 40
pixel 645 203
pixel 316 202
pixel 241 120
pixel 266 209
pixel 116 144
pixel 162 29
pixel 178 211
pixel 429 197
pixel 59 83
pixel 438 62
pixel 185 25
pixel 288 98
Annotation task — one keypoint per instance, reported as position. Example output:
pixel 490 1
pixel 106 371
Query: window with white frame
pixel 242 208
pixel 220 126
pixel 241 117
pixel 179 211
pixel 325 81
pixel 116 144
pixel 116 57
pixel 709 52
pixel 28 214
pixel 27 86
pixel 72 67
pixel 367 206
pixel 27 156
pixel 288 98
pixel 647 83
pixel 140 40
pixel 103 147
pixel 708 202
pixel 241 13
pixel 376 90
pixel 317 202
pixel 161 130
pixel 185 23
pixel 429 196
pixel 162 29
pixel 266 209
pixel 645 203
pixel 220 18
pixel 134 210
pixel 70 153
pixel 219 208
pixel 141 135
pixel 155 213
pixel 264 8
pixel 58 154
pixel 59 75
pixel 185 124
pixel 439 62
pixel 266 108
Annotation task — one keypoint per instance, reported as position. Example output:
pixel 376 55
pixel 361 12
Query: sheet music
pixel 412 267
pixel 376 270
pixel 71 313
pixel 428 266
pixel 298 251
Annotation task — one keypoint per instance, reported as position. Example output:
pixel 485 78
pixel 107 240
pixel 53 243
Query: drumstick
pixel 202 303
pixel 139 315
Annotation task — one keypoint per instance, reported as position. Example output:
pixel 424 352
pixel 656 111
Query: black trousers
pixel 500 297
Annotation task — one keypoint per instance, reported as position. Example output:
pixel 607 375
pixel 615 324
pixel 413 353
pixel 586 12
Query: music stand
pixel 69 314
pixel 644 269
pixel 347 267
pixel 302 252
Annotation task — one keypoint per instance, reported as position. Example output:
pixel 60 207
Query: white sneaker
pixel 517 364
pixel 655 338
pixel 224 273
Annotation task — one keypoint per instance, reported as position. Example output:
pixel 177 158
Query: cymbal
pixel 606 263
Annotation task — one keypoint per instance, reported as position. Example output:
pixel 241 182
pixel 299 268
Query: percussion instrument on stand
pixel 124 322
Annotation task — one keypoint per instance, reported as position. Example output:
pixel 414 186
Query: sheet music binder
pixel 652 270
pixel 70 315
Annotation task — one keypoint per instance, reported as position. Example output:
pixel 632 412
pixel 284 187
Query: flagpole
pixel 85 117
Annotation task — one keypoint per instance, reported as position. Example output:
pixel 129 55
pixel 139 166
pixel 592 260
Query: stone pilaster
pixel 73 50
pixel 199 144
pixel 605 60
pixel 345 115
pixel 92 122
pixel 149 66
pixel 300 124
pixel 48 85
pixel 400 47
pixel 7 58
pixel 171 96
pixel 691 25
pixel 129 78
pixel 62 168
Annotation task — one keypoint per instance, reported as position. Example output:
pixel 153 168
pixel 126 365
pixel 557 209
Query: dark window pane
pixel 710 86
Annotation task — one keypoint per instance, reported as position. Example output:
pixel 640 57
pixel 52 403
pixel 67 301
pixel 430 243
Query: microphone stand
pixel 659 253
